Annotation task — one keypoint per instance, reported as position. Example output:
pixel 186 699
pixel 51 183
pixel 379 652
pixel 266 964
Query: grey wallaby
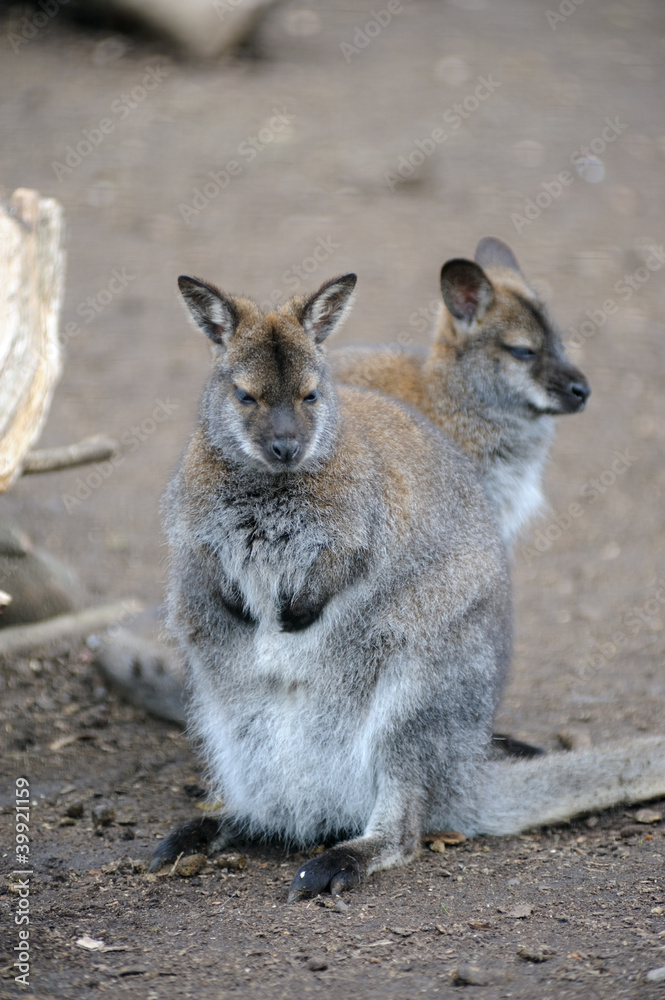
pixel 340 595
pixel 495 377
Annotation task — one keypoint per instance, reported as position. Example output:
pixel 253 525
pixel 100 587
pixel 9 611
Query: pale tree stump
pixel 32 264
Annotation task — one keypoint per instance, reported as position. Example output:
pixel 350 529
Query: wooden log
pixel 19 640
pixel 93 449
pixel 32 268
pixel 207 29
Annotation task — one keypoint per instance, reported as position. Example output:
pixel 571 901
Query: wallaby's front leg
pixel 392 838
pixel 332 572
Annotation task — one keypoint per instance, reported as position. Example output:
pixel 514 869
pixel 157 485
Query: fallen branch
pixel 17 640
pixel 92 449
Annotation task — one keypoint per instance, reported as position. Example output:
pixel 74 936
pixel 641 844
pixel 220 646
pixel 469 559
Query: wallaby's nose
pixel 285 449
pixel 580 391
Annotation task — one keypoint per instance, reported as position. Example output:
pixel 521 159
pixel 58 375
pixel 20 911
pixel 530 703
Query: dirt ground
pixel 576 911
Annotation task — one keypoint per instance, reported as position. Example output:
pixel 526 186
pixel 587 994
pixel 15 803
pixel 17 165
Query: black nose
pixel 285 449
pixel 580 391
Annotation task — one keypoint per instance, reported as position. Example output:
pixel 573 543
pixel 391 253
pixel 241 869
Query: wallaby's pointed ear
pixel 466 289
pixel 492 252
pixel 211 310
pixel 329 307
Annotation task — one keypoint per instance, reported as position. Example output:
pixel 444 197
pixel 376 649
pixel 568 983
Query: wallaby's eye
pixel 244 397
pixel 521 353
pixel 312 396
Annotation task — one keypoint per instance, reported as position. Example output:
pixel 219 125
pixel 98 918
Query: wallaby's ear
pixel 328 307
pixel 492 252
pixel 466 289
pixel 211 310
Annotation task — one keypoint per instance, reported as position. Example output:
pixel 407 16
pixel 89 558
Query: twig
pixel 93 449
pixel 20 639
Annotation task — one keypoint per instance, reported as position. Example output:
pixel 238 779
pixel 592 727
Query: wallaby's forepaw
pixel 194 837
pixel 336 870
pixel 515 748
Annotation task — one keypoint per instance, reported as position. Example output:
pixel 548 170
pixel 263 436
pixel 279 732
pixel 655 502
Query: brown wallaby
pixel 495 377
pixel 339 591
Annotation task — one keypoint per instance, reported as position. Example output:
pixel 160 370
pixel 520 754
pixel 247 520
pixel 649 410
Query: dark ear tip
pixel 184 281
pixel 350 278
pixel 455 264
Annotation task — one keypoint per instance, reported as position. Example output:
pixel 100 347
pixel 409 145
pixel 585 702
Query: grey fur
pixel 497 408
pixel 344 619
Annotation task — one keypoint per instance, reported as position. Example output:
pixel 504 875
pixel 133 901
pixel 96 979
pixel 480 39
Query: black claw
pixel 335 870
pixel 516 748
pixel 193 838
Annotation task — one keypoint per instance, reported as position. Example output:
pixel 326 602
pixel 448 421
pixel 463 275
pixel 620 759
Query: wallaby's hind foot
pixel 335 870
pixel 199 836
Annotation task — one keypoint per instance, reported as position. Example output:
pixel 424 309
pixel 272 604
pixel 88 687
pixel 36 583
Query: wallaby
pixel 494 378
pixel 340 594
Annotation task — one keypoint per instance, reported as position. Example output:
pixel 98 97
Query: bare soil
pixel 576 911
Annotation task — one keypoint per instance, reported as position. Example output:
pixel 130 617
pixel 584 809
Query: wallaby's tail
pixel 520 794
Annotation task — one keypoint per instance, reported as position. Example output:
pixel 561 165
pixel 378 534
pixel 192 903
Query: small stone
pixel 591 822
pixel 632 830
pixel 535 953
pixel 191 865
pixel 317 964
pixel 446 836
pixel 520 911
pixel 132 970
pixel 74 810
pixel 232 862
pixel 648 816
pixel 67 821
pixel 656 975
pixel 473 975
pixel 438 845
pixel 103 814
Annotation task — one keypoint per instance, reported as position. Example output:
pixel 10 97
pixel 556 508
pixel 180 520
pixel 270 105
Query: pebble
pixel 103 814
pixel 232 862
pixel 656 975
pixel 191 865
pixel 74 810
pixel 648 816
pixel 317 965
pixel 534 953
pixel 473 975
